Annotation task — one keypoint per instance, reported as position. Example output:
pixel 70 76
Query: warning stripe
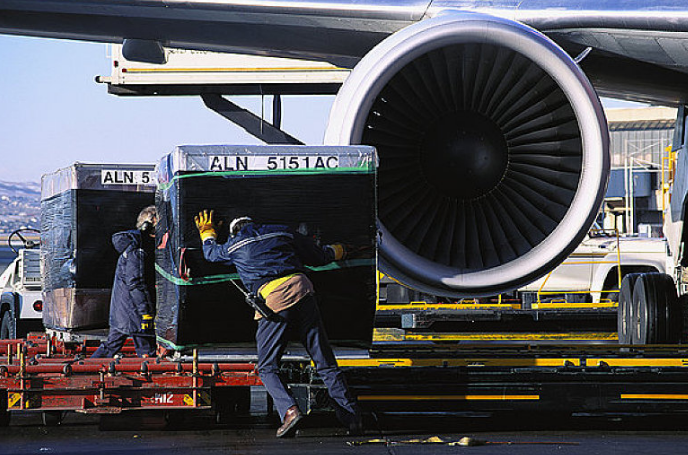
pixel 446 397
pixel 654 396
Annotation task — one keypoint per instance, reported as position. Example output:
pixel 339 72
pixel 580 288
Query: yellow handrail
pixel 589 291
pixel 667 176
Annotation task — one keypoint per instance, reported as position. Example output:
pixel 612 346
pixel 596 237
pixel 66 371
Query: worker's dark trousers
pixel 302 319
pixel 145 345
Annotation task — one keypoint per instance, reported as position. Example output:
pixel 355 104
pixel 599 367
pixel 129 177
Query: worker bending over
pixel 270 262
pixel 132 303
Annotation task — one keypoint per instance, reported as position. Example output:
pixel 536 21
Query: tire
pixel 656 312
pixel 624 315
pixel 7 326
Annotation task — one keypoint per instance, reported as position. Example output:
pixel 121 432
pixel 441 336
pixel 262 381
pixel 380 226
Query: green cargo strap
pixel 214 279
pixel 365 168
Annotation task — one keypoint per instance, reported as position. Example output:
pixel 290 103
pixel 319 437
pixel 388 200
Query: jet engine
pixel 493 152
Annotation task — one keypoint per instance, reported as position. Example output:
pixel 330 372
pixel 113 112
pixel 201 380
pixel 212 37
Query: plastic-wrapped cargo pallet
pixel 81 207
pixel 324 192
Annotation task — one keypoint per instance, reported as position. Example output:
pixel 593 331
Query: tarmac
pixel 143 432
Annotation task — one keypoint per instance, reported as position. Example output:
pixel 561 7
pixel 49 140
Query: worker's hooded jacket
pixel 133 291
pixel 263 252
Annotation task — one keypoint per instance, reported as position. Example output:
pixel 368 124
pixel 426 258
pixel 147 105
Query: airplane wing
pixel 337 31
pixel 630 37
pixel 485 113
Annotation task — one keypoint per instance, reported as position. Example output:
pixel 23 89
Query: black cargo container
pixel 81 207
pixel 324 192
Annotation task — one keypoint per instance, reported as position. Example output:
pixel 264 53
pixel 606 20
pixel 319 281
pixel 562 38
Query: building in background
pixel 640 143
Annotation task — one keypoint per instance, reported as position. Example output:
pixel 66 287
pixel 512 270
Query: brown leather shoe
pixel 291 419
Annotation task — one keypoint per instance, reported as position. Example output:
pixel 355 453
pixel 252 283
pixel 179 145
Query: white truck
pixel 21 302
pixel 592 274
pixel 579 297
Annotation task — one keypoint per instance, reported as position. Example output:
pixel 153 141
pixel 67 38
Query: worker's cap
pixel 237 223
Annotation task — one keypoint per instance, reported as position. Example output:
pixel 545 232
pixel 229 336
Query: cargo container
pixel 327 193
pixel 82 205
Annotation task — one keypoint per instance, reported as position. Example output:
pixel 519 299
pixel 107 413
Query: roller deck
pixel 41 374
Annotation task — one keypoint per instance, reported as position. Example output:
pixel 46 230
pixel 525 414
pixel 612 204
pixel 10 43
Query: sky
pixel 54 113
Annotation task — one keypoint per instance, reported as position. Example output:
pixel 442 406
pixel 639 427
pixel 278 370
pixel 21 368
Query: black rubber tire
pixel 624 315
pixel 52 418
pixel 644 314
pixel 657 316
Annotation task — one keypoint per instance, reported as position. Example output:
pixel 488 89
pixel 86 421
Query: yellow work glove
pixel 146 322
pixel 205 225
pixel 338 250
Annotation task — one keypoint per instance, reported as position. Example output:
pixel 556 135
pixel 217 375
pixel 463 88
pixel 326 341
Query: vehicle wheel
pixel 624 315
pixel 52 418
pixel 7 326
pixel 656 312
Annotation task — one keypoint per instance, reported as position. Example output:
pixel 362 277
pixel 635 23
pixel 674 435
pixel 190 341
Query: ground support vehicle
pixel 653 307
pixel 577 301
pixel 21 303
pixel 39 374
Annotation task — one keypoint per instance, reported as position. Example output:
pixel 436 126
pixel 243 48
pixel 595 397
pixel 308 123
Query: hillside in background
pixel 20 205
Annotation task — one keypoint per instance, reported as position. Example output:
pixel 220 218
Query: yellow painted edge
pixel 440 306
pixel 384 335
pixel 569 306
pixel 588 262
pixel 446 397
pixel 532 362
pixel 671 362
pixel 654 396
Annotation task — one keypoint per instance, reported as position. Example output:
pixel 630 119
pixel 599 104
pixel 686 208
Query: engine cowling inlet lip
pixel 383 62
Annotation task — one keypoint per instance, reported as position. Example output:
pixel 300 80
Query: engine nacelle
pixel 493 150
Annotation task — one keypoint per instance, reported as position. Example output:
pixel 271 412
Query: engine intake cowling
pixel 493 151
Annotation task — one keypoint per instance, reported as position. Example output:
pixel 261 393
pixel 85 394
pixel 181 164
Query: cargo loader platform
pixel 41 375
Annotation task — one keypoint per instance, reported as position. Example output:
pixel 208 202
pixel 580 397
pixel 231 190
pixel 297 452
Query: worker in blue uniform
pixel 132 303
pixel 270 262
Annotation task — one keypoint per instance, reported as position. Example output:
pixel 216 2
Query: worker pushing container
pixel 81 207
pixel 327 193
